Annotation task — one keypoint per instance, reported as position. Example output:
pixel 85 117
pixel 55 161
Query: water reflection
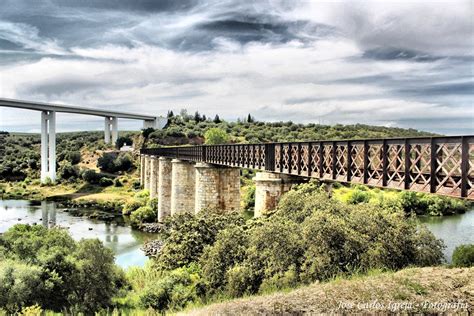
pixel 123 240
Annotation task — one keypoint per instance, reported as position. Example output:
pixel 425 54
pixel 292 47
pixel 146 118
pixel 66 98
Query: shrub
pixel 463 256
pixel 144 214
pixel 241 280
pixel 118 183
pixel 122 140
pixel 215 136
pixel 74 157
pixel 186 235
pixel 47 267
pixel 113 162
pixel 147 131
pixel 228 250
pixel 171 290
pixel 132 206
pixel 68 171
pixel 91 176
pixel 249 197
pixel 105 182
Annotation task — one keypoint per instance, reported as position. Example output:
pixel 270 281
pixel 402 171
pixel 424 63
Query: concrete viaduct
pixel 48 127
pixel 190 179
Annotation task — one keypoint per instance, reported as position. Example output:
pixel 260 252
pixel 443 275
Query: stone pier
pixel 154 169
pixel 269 187
pixel 142 170
pixel 217 187
pixel 146 184
pixel 164 188
pixel 182 187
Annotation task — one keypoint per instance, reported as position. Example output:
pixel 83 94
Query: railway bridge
pixel 190 179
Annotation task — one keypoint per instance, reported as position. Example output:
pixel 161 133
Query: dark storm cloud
pixel 392 53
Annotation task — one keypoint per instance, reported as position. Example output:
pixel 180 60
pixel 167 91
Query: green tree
pixel 215 136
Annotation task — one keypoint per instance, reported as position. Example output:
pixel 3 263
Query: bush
pixel 117 183
pixel 249 198
pixel 113 162
pixel 68 171
pixel 131 206
pixel 186 235
pixel 170 290
pixel 228 250
pixel 105 182
pixel 91 176
pixel 121 141
pixel 74 157
pixel 144 214
pixel 463 256
pixel 47 267
pixel 215 136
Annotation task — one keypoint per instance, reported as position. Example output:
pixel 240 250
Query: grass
pixel 413 290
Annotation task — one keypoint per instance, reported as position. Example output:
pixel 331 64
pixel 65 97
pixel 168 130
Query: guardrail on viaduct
pixel 441 165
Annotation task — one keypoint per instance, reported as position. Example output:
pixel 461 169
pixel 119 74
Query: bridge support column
pixel 217 188
pixel 146 183
pixel 269 187
pixel 48 145
pixel 153 177
pixel 142 170
pixel 164 188
pixel 107 125
pixel 182 187
pixel 114 130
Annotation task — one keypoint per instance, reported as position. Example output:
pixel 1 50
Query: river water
pixel 126 242
pixel 454 230
pixel 115 234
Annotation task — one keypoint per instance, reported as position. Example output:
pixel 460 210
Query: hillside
pixel 414 290
pixel 20 152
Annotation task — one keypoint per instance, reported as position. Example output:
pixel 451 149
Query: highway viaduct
pixel 48 126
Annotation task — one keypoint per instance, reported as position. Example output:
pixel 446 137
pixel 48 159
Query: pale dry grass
pixel 414 286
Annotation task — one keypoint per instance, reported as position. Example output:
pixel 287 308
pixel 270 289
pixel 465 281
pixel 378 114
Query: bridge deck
pixel 40 106
pixel 441 165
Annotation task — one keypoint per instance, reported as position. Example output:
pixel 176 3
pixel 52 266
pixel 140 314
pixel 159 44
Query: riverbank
pixel 413 290
pixel 76 195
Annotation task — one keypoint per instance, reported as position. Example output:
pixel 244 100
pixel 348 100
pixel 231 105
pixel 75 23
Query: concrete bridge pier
pixel 147 168
pixel 269 188
pixel 217 187
pixel 48 145
pixel 111 123
pixel 142 170
pixel 164 188
pixel 154 169
pixel 182 187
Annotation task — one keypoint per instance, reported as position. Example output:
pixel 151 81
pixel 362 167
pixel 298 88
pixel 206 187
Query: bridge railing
pixel 442 165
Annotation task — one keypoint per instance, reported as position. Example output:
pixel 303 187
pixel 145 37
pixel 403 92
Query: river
pixel 116 234
pixel 126 241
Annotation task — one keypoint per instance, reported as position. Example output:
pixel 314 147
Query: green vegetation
pixel 410 202
pixel 216 136
pixel 48 268
pixel 191 129
pixel 463 256
pixel 310 237
pixel 115 162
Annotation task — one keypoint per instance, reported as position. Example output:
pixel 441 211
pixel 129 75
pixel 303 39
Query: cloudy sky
pixel 401 63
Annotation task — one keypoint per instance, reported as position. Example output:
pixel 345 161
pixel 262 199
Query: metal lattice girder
pixel 441 165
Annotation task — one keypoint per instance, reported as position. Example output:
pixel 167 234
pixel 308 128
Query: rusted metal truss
pixel 441 165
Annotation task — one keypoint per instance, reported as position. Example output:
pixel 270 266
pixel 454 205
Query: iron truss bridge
pixel 440 165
